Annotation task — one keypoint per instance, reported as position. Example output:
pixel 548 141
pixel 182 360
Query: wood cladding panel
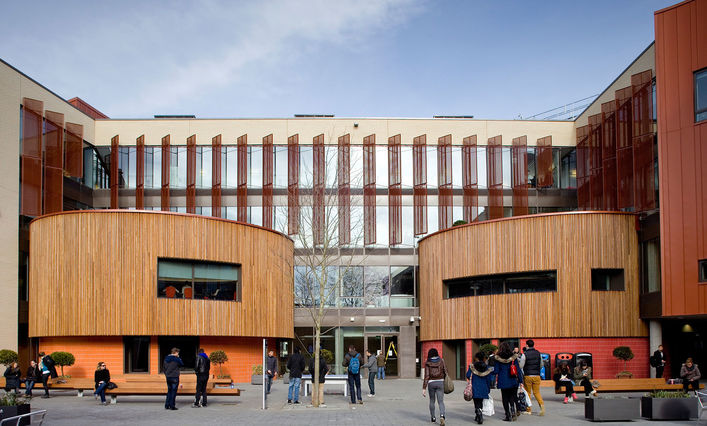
pixel 570 243
pixel 105 282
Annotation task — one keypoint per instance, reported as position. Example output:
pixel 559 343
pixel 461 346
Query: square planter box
pixel 669 408
pixel 256 379
pixel 15 410
pixel 612 409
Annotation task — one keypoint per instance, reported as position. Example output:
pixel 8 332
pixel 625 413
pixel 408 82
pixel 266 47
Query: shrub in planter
pixel 7 357
pixel 257 377
pixel 488 348
pixel 625 354
pixel 220 358
pixel 63 359
pixel 667 405
pixel 12 405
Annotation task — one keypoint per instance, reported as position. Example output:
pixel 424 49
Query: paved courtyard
pixel 398 402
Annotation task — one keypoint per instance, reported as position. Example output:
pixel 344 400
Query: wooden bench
pixel 333 379
pixel 69 384
pixel 186 379
pixel 138 389
pixel 628 385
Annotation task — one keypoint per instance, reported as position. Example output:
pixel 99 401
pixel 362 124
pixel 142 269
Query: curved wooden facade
pixel 571 243
pixel 95 273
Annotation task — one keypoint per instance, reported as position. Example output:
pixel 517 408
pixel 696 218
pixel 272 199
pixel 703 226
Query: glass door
pixel 390 343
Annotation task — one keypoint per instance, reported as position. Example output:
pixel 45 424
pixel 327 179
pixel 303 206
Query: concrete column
pixel 338 350
pixel 407 351
pixel 655 338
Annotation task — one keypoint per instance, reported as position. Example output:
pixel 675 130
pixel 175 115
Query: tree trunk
pixel 315 373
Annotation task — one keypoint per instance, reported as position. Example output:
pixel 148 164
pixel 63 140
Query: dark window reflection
pixel 524 282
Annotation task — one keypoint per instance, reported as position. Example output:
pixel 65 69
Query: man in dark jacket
pixel 271 369
pixel 171 366
pixel 531 371
pixel 296 365
pixel 353 364
pixel 202 369
pixel 658 362
pixel 323 370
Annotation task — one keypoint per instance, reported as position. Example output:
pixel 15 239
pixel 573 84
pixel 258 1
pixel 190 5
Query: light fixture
pixel 381 320
pixel 687 328
pixel 412 319
pixel 355 124
pixel 352 319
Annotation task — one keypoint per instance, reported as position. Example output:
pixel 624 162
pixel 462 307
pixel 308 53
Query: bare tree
pixel 322 262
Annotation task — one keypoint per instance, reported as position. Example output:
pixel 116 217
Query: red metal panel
pixel 319 173
pixel 369 189
pixel 293 184
pixel 583 183
pixel 73 142
pixel 624 148
pixel 191 174
pixel 166 155
pixel 595 163
pixel 608 126
pixel 543 174
pixel 519 175
pixel 444 181
pixel 242 189
pixel 643 135
pixel 419 170
pixel 344 179
pixel 268 173
pixel 140 173
pixel 31 160
pixel 216 153
pixel 470 180
pixel 53 162
pixel 495 177
pixel 395 192
pixel 114 146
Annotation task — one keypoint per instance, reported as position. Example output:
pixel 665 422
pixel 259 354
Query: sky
pixel 273 58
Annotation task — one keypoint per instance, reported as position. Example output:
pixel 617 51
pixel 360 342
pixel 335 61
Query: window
pixel 607 279
pixel 187 345
pixel 184 279
pixel 351 286
pixel 481 285
pixel 137 352
pixel 703 270
pixel 701 95
pixel 178 167
pixel 402 286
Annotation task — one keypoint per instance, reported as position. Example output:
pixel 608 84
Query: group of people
pixel 172 369
pixel 36 373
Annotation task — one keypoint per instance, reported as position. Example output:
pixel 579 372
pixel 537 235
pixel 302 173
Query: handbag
pixel 514 370
pixel 487 408
pixel 111 385
pixel 528 402
pixel 521 403
pixel 448 384
pixel 468 393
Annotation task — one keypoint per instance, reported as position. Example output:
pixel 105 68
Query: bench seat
pixel 628 385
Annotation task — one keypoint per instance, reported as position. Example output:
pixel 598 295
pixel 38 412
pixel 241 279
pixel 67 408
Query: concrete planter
pixel 612 409
pixel 669 408
pixel 7 411
pixel 256 379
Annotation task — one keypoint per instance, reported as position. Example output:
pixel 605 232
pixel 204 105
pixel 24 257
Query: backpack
pixel 354 365
pixel 654 361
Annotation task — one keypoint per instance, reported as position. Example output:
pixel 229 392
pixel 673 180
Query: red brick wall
pixel 426 346
pixel 243 353
pixel 605 365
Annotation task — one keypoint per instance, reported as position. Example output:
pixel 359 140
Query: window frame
pixel 238 297
pixel 699 73
pixel 702 270
pixel 617 271
pixel 502 277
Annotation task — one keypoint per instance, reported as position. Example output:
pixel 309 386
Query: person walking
pixel 323 370
pixel 481 376
pixel 296 365
pixel 271 370
pixel 435 371
pixel 352 362
pixel 690 375
pixel 561 376
pixel 48 368
pixel 531 375
pixel 372 366
pixel 202 368
pixel 33 375
pixel 509 376
pixel 101 377
pixel 583 376
pixel 171 365
pixel 12 378
pixel 380 361
pixel 658 362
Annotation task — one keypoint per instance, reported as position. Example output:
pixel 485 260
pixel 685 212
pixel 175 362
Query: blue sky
pixel 387 58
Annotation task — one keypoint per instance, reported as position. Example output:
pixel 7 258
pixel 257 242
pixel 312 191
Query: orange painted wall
pixel 681 49
pixel 243 353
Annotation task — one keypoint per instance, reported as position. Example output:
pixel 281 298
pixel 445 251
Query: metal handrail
pixel 17 419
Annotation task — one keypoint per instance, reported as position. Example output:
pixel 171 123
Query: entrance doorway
pixel 454 354
pixel 388 347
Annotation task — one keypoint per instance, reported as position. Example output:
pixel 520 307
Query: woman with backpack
pixel 435 371
pixel 482 377
pixel 510 376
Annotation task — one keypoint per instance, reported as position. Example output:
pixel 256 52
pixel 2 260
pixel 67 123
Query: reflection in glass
pixel 457 170
pixel 203 166
pixel 402 280
pixel 255 166
pixel 229 175
pixel 306 167
pixel 382 166
pixel 356 166
pixel 377 289
pixel 481 166
pixel 351 286
pixel 280 167
pixel 506 160
pixel 382 222
pixel 407 224
pixel 198 280
pixel 406 166
pixel 431 166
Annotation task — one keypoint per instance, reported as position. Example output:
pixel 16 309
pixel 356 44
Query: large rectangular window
pixel 520 282
pixel 136 354
pixel 607 279
pixel 186 279
pixel 701 95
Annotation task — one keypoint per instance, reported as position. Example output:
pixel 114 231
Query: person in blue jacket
pixel 481 376
pixel 507 381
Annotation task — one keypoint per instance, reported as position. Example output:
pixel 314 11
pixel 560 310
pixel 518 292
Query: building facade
pixel 379 197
